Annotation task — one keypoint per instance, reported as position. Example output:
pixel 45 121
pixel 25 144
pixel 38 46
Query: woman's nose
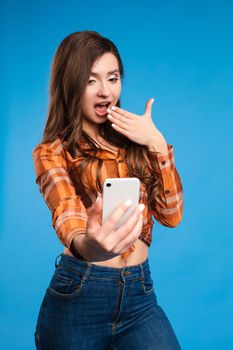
pixel 104 89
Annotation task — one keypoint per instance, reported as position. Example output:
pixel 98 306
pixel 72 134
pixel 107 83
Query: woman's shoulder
pixel 55 147
pixel 55 151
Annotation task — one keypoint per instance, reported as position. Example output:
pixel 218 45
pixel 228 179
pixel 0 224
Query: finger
pixel 96 210
pixel 121 112
pixel 113 116
pixel 110 223
pixel 119 122
pixel 121 130
pixel 149 107
pixel 125 229
pixel 130 239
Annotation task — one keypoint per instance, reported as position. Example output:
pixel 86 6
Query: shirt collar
pixel 101 153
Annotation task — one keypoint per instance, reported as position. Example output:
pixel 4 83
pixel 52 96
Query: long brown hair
pixel 70 71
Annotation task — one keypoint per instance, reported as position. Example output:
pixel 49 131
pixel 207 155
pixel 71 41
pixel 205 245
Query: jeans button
pixel 127 273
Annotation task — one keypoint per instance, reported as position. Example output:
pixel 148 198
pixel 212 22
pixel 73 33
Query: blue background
pixel 181 54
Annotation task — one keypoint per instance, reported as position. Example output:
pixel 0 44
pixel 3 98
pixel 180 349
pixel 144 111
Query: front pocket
pixel 65 282
pixel 147 284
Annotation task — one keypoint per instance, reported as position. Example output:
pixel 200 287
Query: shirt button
pixel 167 191
pixel 163 162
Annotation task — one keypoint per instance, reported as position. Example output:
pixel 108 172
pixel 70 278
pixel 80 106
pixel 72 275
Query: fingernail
pixel 140 216
pixel 152 100
pixel 141 207
pixel 113 107
pixel 128 202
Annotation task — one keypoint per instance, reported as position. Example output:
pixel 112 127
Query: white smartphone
pixel 115 192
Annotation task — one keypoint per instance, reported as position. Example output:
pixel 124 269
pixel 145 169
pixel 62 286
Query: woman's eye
pixel 112 79
pixel 115 79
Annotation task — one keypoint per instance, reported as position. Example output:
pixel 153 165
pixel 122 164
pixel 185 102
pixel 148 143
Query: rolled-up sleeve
pixel 69 216
pixel 167 206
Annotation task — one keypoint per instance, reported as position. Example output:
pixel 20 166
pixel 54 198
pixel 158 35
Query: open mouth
pixel 101 109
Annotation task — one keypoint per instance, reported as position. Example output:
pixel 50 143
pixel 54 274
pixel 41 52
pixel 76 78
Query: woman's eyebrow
pixel 111 72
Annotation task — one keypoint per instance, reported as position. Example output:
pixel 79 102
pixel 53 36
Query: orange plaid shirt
pixel 68 200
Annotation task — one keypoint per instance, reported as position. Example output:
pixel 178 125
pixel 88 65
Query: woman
pixel 101 295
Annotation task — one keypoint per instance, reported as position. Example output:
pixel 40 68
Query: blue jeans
pixel 93 307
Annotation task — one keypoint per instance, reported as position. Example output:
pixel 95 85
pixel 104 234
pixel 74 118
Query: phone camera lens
pixel 108 184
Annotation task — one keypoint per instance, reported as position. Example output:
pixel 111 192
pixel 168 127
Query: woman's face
pixel 104 86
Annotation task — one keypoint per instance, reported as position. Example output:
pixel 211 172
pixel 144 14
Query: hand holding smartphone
pixel 100 241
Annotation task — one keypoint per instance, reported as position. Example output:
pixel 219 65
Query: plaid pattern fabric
pixel 69 200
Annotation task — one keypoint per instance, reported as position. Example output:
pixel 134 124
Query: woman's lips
pixel 101 110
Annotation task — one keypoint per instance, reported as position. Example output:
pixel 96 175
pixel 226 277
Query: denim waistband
pixel 126 272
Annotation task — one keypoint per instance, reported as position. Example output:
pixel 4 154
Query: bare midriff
pixel 138 256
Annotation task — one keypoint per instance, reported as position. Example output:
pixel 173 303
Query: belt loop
pixel 56 264
pixel 142 272
pixel 87 271
pixel 122 273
